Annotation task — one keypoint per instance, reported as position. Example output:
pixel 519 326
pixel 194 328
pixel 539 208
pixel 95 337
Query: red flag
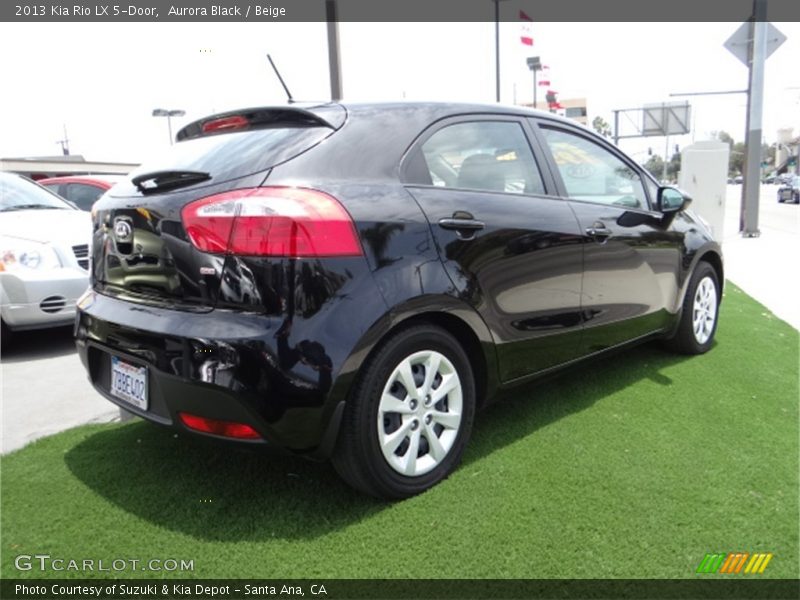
pixel 525 36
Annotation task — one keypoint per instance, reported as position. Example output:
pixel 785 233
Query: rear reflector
pixel 271 221
pixel 225 124
pixel 224 428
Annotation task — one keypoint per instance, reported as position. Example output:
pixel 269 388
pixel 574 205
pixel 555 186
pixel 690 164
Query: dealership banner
pixel 177 11
pixel 408 589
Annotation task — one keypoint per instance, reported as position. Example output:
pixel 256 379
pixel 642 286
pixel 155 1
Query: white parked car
pixel 44 256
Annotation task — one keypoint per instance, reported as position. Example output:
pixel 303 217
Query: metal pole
pixel 616 128
pixel 334 64
pixel 169 128
pixel 748 220
pixel 664 168
pixel 497 48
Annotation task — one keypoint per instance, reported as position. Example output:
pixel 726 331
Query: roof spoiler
pixel 323 115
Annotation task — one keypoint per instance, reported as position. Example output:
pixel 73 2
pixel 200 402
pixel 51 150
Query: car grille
pixel 53 304
pixel 82 254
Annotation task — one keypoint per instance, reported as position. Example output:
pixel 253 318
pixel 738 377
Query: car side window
pixel 83 195
pixel 491 156
pixel 592 173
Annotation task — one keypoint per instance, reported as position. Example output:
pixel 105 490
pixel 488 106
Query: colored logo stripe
pixel 758 563
pixel 710 563
pixel 734 562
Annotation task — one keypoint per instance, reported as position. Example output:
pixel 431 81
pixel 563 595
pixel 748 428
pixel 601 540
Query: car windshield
pixel 17 193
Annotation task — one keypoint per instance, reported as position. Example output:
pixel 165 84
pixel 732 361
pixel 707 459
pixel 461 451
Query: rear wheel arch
pixel 461 321
pixel 468 340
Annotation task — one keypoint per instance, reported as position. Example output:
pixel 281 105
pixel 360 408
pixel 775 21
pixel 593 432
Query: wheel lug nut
pixel 413 404
pixel 414 424
pixel 428 419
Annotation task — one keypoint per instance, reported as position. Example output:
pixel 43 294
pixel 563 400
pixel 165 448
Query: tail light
pixel 230 429
pixel 225 124
pixel 271 221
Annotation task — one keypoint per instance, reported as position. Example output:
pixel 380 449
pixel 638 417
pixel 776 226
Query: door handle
pixel 461 224
pixel 598 231
pixel 465 226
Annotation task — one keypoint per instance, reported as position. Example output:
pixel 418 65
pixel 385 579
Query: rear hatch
pixel 141 251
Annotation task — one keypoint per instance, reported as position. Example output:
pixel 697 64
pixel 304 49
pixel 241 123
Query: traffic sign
pixel 738 43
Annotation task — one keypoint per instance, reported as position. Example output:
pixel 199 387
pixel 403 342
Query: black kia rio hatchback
pixel 354 281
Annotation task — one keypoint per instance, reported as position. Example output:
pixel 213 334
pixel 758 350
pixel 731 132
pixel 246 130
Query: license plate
pixel 129 383
pixel 786 195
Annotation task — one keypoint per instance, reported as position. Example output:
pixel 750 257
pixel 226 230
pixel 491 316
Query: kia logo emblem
pixel 123 231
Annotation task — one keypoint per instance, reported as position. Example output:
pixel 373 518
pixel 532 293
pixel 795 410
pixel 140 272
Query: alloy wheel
pixel 704 311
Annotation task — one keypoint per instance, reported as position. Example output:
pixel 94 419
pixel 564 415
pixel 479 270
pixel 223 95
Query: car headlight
pixel 17 255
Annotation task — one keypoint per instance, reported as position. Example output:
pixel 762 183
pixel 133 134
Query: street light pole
pixel 162 112
pixel 534 64
pixel 497 47
pixel 334 62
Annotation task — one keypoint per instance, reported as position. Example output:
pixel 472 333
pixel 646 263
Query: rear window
pixel 236 154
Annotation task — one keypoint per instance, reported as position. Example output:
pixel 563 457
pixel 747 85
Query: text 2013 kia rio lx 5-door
pixel 353 281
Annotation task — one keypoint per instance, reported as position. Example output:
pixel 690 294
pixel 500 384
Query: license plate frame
pixel 129 383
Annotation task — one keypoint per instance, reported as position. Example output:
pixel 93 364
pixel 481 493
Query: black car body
pixel 454 218
pixel 790 190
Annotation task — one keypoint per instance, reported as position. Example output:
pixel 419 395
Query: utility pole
pixel 497 48
pixel 757 51
pixel 64 143
pixel 334 63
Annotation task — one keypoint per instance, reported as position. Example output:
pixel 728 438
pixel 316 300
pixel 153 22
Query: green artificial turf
pixel 633 466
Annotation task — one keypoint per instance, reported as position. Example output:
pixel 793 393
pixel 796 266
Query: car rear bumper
pixel 39 300
pixel 225 365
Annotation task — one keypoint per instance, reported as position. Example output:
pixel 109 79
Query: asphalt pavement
pixel 45 389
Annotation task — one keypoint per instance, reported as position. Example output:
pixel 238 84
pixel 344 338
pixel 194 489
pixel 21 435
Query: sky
pixel 103 80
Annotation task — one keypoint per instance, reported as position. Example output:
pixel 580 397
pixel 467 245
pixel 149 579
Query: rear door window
pixel 492 156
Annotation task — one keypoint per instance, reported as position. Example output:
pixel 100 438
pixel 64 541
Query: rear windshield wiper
pixel 159 181
pixel 33 207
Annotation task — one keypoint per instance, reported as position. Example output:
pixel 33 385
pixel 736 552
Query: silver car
pixel 44 256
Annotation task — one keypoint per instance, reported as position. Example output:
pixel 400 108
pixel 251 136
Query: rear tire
pixel 700 314
pixel 6 336
pixel 409 415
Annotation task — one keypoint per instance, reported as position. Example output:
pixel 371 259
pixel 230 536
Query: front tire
pixel 698 325
pixel 409 415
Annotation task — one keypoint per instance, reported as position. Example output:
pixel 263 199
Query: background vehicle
pixel 354 281
pixel 84 190
pixel 44 256
pixel 789 191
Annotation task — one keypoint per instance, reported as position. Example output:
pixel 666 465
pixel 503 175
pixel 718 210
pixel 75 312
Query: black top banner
pixel 396 10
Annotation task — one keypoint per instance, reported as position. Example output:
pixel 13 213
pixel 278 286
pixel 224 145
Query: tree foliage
pixel 600 125
pixel 655 164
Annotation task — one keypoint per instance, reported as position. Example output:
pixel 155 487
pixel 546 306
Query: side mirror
pixel 671 200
